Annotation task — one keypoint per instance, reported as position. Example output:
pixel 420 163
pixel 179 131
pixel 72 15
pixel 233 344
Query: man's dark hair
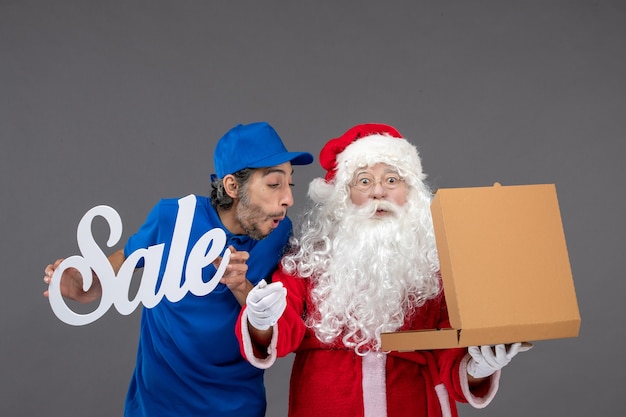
pixel 219 197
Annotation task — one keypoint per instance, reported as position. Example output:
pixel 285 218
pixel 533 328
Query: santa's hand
pixel 265 304
pixel 487 359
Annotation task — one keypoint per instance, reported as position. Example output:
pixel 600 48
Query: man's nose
pixel 287 198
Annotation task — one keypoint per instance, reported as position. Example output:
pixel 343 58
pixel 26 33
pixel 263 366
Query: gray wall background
pixel 121 103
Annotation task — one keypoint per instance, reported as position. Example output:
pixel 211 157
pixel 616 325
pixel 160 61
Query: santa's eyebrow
pixel 385 171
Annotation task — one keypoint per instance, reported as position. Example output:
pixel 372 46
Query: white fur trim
pixel 444 400
pixel 376 149
pixel 374 385
pixel 477 402
pixel 320 190
pixel 261 363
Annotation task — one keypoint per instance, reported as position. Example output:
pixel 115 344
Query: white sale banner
pixel 115 287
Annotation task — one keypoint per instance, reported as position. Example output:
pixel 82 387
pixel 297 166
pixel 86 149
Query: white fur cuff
pixel 477 402
pixel 261 363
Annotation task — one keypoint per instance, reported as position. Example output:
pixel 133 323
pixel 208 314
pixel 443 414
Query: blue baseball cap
pixel 255 145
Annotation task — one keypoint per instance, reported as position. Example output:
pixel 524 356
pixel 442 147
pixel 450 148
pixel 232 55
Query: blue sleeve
pixel 266 255
pixel 157 228
pixel 146 235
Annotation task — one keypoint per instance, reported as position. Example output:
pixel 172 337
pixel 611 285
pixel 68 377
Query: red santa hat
pixel 365 145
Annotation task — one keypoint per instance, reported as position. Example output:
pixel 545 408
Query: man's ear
pixel 231 186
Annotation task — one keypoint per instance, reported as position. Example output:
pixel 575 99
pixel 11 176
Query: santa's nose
pixel 378 190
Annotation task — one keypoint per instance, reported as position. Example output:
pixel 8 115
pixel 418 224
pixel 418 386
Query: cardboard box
pixel 505 269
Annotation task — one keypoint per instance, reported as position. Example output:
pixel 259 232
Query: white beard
pixel 378 271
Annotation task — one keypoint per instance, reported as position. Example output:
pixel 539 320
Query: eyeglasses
pixel 365 182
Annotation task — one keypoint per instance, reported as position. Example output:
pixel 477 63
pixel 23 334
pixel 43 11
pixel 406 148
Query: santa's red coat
pixel 332 380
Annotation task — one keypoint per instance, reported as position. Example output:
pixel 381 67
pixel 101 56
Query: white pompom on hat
pixel 361 146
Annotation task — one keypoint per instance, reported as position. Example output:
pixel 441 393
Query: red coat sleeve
pixel 291 327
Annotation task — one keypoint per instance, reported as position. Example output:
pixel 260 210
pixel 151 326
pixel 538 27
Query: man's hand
pixel 235 274
pixel 265 304
pixel 487 359
pixel 72 284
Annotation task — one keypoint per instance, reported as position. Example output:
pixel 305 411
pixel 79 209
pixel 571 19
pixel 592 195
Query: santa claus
pixel 363 263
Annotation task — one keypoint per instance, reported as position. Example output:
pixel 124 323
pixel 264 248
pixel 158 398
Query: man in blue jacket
pixel 188 360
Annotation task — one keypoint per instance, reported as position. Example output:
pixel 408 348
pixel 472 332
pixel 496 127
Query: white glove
pixel 485 361
pixel 265 304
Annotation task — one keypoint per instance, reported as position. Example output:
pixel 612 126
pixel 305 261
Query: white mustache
pixel 370 208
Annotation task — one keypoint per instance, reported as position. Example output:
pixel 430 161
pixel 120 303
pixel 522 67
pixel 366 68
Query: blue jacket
pixel 188 358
